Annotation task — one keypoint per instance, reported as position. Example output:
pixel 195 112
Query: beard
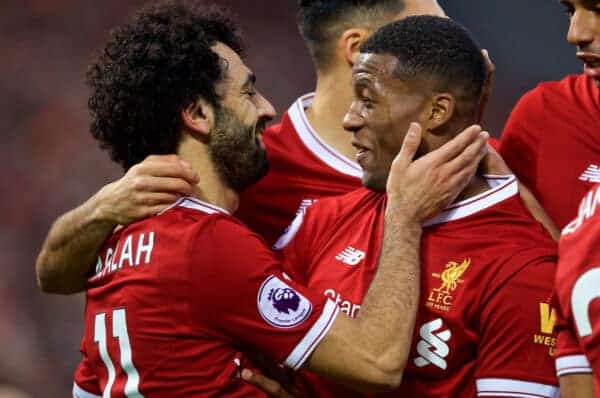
pixel 236 152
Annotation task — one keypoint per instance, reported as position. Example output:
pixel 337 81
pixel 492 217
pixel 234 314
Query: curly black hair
pixel 150 70
pixel 321 22
pixel 437 49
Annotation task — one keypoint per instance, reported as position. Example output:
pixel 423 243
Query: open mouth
pixel 361 152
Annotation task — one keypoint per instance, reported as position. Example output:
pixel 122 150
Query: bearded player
pixel 176 301
pixel 487 265
pixel 578 291
pixel 551 138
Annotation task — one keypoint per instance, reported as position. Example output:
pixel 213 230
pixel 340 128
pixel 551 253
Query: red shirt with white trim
pixel 484 325
pixel 178 299
pixel 552 143
pixel 578 292
pixel 302 168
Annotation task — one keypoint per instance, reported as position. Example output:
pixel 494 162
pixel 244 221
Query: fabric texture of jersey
pixel 578 292
pixel 484 325
pixel 302 168
pixel 552 144
pixel 180 300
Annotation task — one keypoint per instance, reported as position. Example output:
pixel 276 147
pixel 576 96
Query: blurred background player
pixel 170 305
pixel 487 265
pixel 578 292
pixel 551 139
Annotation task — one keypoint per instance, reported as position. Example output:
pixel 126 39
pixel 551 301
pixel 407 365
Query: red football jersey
pixel 551 143
pixel 302 168
pixel 178 299
pixel 484 327
pixel 578 292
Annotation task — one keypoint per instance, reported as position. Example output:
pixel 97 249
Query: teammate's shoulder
pixel 570 85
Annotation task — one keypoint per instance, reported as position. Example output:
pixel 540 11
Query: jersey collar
pixel 501 188
pixel 315 144
pixel 196 204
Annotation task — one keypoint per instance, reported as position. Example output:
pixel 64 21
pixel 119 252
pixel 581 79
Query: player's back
pixel 147 330
pixel 578 291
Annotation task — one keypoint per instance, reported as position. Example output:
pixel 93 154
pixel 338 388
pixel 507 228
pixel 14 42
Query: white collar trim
pixel 315 144
pixel 501 188
pixel 196 204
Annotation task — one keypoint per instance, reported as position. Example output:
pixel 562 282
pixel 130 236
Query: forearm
pixel 388 313
pixel 71 247
pixel 576 386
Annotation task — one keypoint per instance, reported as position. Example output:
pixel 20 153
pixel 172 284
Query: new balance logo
pixel 432 347
pixel 350 256
pixel 591 174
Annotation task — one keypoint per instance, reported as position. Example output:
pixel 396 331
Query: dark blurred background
pixel 51 163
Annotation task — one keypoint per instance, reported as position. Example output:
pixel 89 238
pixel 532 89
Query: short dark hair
pixel 150 70
pixel 321 22
pixel 435 48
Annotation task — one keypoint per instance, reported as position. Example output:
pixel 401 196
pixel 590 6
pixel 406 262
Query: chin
pixel 374 183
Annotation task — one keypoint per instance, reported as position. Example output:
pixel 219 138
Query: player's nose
pixel 265 108
pixel 582 28
pixel 352 120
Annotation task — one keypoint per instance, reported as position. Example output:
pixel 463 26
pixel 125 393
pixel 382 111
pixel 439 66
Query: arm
pixel 370 352
pixel 70 249
pixel 576 386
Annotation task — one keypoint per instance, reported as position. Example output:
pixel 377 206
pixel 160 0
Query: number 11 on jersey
pixel 119 332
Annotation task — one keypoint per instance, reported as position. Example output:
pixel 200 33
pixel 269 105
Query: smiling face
pixel 236 146
pixel 380 114
pixel 584 33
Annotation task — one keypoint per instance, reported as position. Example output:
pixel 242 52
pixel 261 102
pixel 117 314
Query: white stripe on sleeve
pixel 571 364
pixel 314 336
pixel 496 387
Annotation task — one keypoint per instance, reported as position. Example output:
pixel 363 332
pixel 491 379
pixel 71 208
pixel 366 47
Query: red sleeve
pixel 519 143
pixel 517 336
pixel 570 358
pixel 240 288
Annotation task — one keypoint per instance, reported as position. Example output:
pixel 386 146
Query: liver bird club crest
pixel 441 297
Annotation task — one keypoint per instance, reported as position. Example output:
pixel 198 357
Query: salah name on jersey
pixel 578 292
pixel 179 299
pixel 485 324
pixel 552 143
pixel 302 168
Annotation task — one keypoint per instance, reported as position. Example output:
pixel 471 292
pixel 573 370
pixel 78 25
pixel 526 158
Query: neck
pixel 211 188
pixel 477 186
pixel 333 96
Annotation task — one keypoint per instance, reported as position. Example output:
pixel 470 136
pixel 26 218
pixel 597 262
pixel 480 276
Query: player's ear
pixel 350 43
pixel 198 118
pixel 440 111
